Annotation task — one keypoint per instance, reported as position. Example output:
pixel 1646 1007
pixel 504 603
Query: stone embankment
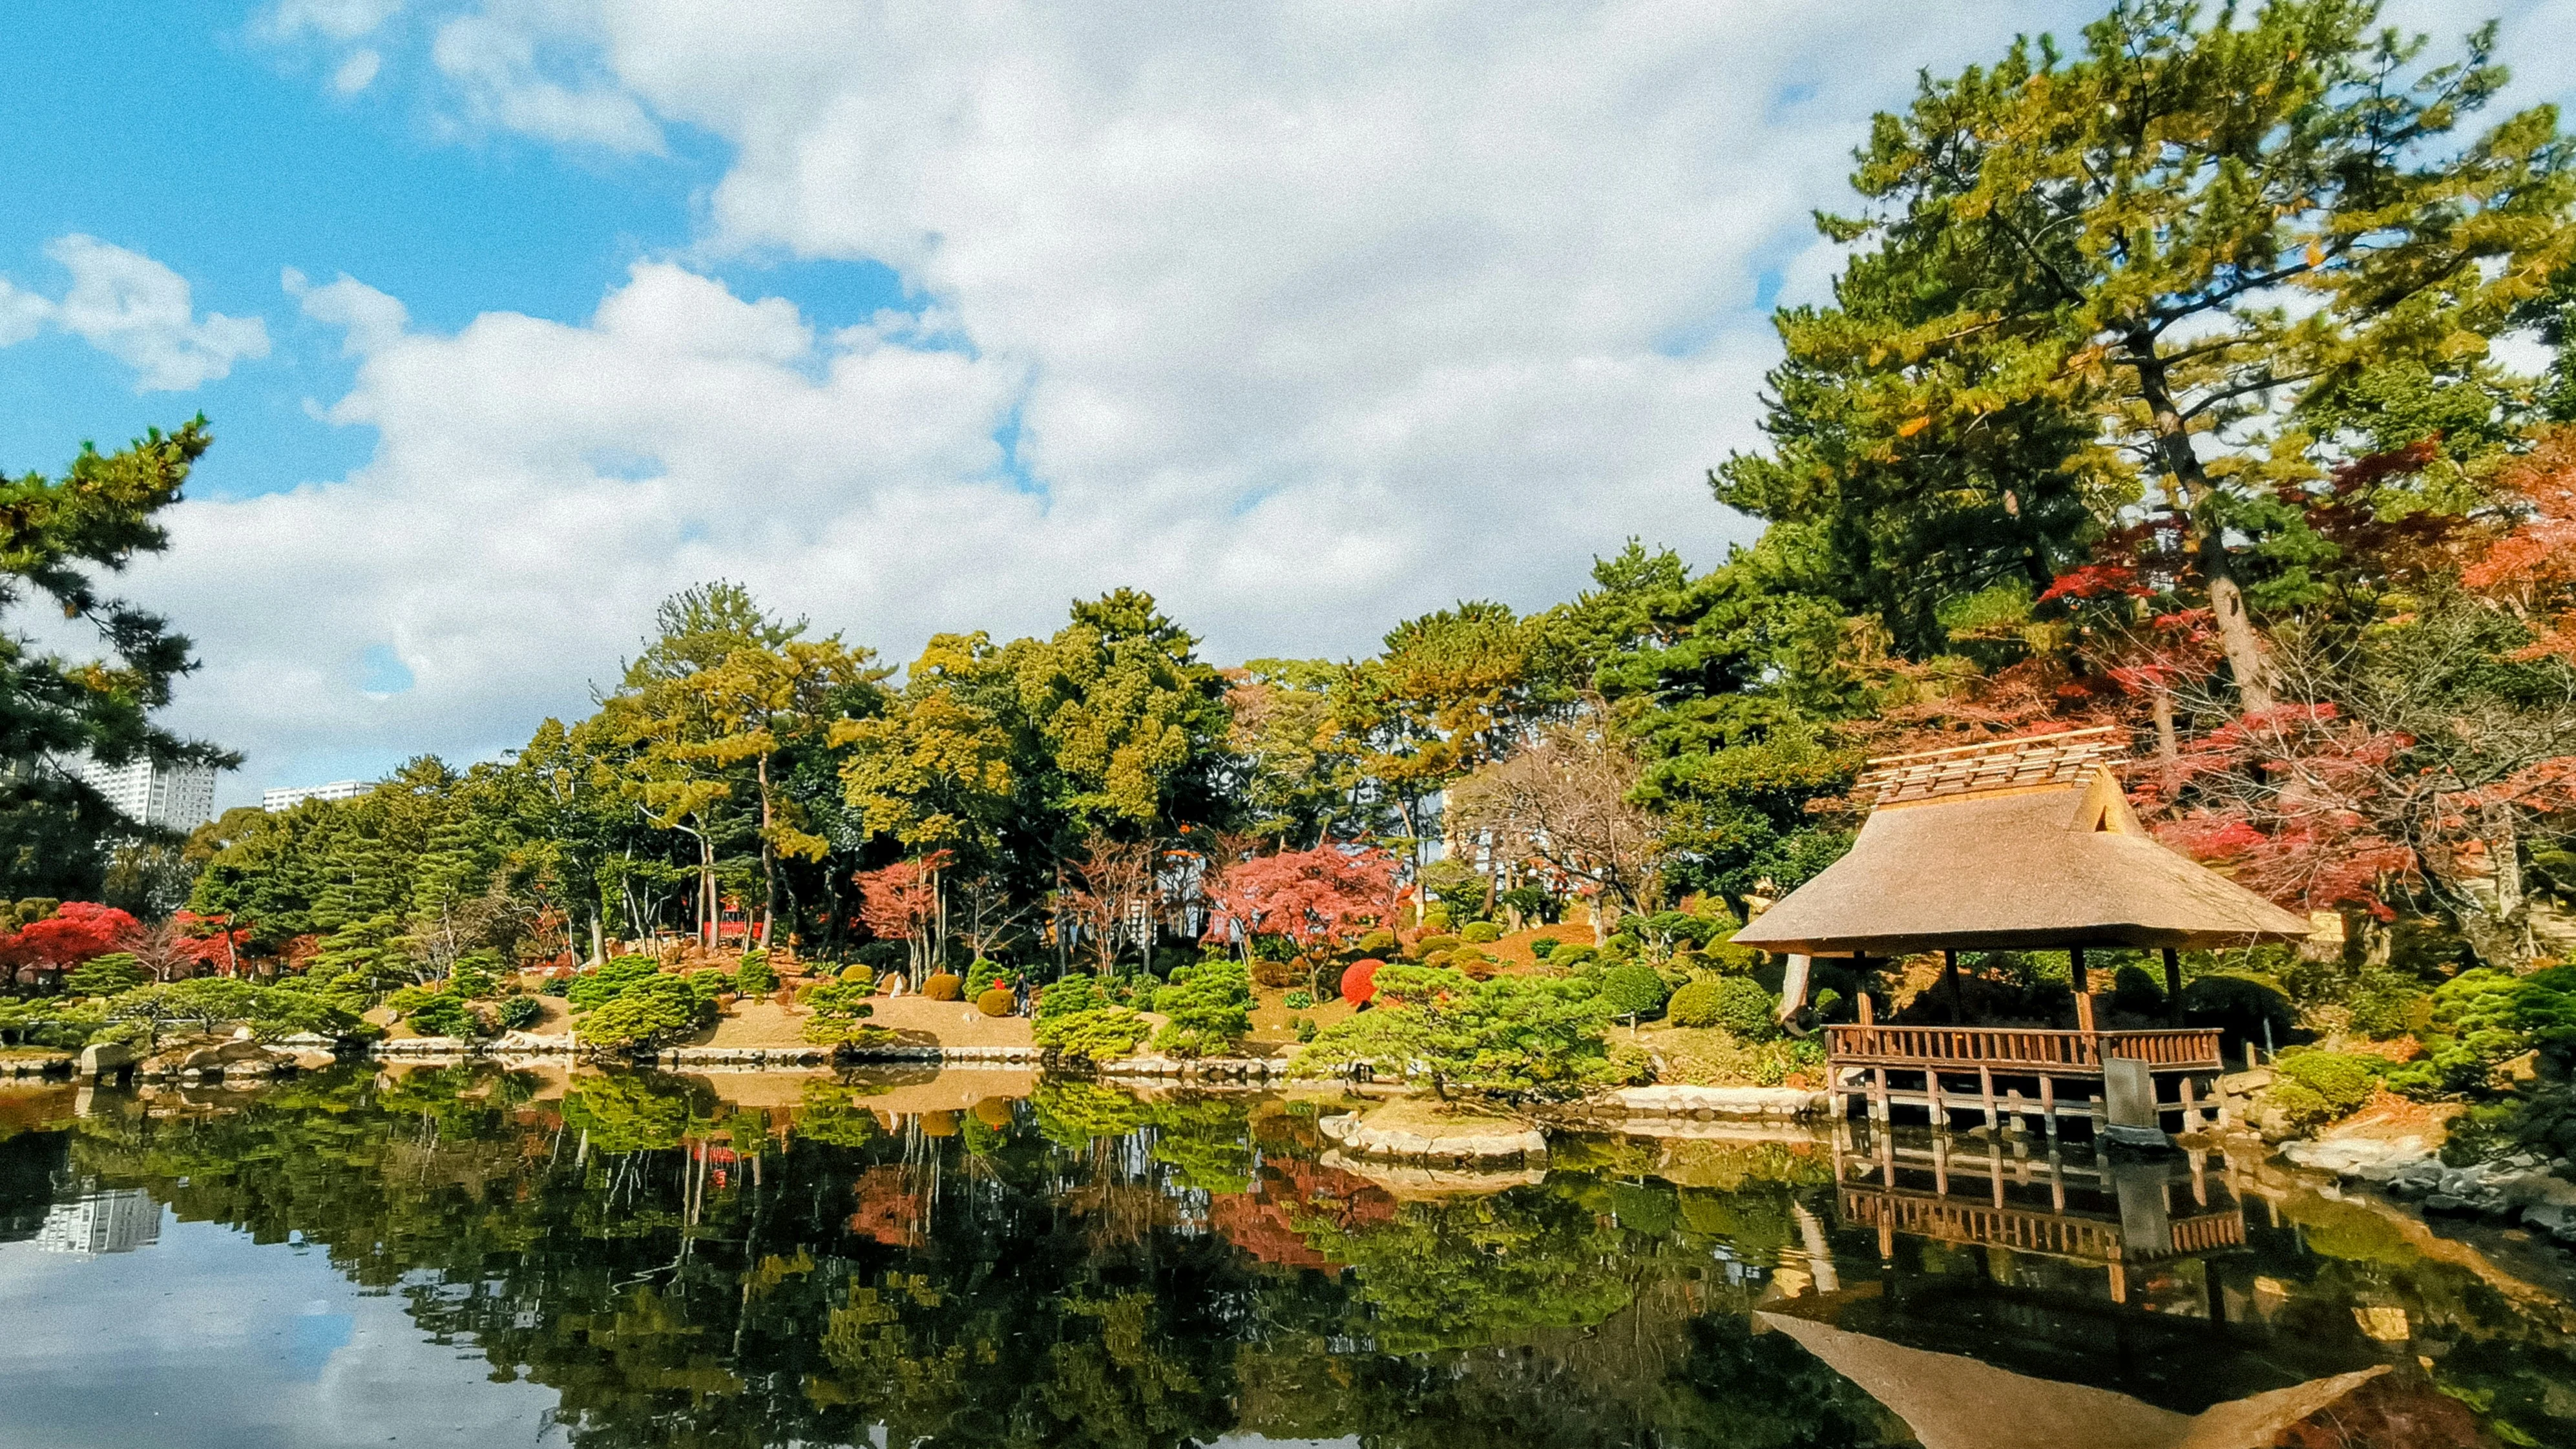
pixel 2523 1189
pixel 1777 1104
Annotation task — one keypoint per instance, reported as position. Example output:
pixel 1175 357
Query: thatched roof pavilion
pixel 2014 845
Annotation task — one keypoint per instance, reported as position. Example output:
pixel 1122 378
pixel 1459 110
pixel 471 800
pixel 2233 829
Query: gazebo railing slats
pixel 2015 1048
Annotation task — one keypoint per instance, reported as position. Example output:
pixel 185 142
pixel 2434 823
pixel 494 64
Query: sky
pixel 512 318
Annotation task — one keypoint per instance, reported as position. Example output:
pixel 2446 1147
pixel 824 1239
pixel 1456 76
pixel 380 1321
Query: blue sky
pixel 913 317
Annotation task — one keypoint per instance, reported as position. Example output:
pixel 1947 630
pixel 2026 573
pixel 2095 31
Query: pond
pixel 471 1256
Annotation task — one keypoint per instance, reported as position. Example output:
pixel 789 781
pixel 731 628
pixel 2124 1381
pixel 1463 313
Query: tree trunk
pixel 2237 638
pixel 768 861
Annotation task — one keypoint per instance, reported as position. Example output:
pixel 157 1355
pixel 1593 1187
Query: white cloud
pixel 539 485
pixel 135 310
pixel 22 314
pixel 342 20
pixel 141 313
pixel 1310 317
pixel 505 79
pixel 357 72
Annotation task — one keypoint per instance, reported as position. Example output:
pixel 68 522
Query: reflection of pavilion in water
pixel 2036 1294
pixel 2110 1213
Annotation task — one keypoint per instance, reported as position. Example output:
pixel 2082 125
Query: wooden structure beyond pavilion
pixel 2017 845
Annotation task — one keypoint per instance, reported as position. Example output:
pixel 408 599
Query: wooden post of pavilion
pixel 2173 986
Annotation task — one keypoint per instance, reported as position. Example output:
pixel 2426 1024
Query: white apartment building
pixel 287 797
pixel 151 792
pixel 102 1222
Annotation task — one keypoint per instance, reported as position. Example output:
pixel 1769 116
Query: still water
pixel 474 1257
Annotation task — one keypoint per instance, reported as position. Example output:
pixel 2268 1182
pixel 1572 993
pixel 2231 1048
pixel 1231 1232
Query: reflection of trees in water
pixel 1073 1279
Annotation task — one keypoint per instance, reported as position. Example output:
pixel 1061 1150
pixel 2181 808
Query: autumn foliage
pixel 1323 899
pixel 71 935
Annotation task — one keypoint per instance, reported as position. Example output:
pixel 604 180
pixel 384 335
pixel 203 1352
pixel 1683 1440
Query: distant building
pixel 154 792
pixel 103 1222
pixel 287 797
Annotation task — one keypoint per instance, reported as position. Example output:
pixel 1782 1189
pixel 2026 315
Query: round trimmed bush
pixel 1377 943
pixel 1300 1001
pixel 1359 983
pixel 1429 944
pixel 944 986
pixel 1544 947
pixel 1571 956
pixel 996 1001
pixel 1480 933
pixel 1736 1003
pixel 1633 990
pixel 858 975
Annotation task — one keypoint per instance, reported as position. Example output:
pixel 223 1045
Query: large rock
pixel 1755 1102
pixel 102 1057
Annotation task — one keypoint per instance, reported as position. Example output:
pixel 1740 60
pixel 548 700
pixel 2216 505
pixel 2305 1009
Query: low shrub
pixel 755 976
pixel 838 1014
pixel 2316 1087
pixel 593 989
pixel 858 976
pixel 1570 957
pixel 1479 933
pixel 648 1013
pixel 1305 1028
pixel 944 986
pixel 106 975
pixel 518 1013
pixel 1377 943
pixel 1544 947
pixel 556 986
pixel 1635 991
pixel 1428 944
pixel 1737 1003
pixel 2136 991
pixel 1359 983
pixel 997 1001
pixel 1300 1000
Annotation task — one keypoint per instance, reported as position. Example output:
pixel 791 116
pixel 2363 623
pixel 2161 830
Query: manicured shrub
pixel 1359 983
pixel 996 1001
pixel 1300 1000
pixel 1436 919
pixel 756 977
pixel 597 988
pixel 1570 957
pixel 944 986
pixel 2316 1087
pixel 983 974
pixel 106 975
pixel 1210 1006
pixel 1634 990
pixel 858 976
pixel 1737 1003
pixel 1481 933
pixel 1544 947
pixel 1429 944
pixel 518 1013
pixel 1377 943
pixel 556 986
pixel 2136 991
pixel 649 1012
pixel 1305 1028
pixel 838 1014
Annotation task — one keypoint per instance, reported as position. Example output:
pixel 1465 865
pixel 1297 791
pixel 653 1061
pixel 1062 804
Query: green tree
pixel 55 535
pixel 2143 255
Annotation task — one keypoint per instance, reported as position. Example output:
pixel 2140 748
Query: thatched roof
pixel 2019 845
pixel 1954 1402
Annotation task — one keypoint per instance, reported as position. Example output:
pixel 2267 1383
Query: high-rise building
pixel 287 797
pixel 154 792
pixel 119 1221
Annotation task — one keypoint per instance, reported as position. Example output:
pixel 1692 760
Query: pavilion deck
pixel 2009 1074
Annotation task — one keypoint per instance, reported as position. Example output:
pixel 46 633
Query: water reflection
pixel 982 1258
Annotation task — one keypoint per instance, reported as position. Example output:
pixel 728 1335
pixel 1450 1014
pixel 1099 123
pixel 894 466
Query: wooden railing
pixel 2058 1234
pixel 2018 1048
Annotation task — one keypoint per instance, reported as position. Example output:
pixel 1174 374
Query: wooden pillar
pixel 2173 986
pixel 2048 1103
pixel 1958 997
pixel 2075 973
pixel 1932 1099
pixel 1986 1090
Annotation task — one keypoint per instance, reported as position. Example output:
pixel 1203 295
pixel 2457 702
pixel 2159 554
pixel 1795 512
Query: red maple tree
pixel 899 901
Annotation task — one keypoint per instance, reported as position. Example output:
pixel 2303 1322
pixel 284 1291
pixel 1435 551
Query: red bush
pixel 1359 983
